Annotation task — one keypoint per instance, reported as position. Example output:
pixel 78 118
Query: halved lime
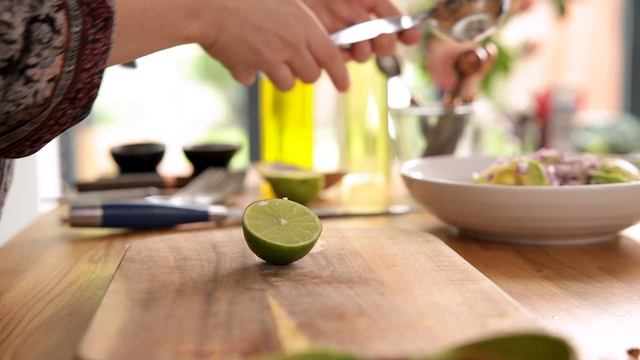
pixel 300 186
pixel 313 355
pixel 280 231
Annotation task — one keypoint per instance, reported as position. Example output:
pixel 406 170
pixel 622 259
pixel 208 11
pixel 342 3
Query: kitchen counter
pixel 52 279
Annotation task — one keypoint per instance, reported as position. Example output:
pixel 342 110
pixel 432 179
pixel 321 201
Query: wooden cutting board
pixel 378 293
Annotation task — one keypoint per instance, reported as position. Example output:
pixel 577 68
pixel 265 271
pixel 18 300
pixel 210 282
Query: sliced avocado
pixel 517 172
pixel 502 174
pixel 535 175
pixel 618 168
pixel 600 177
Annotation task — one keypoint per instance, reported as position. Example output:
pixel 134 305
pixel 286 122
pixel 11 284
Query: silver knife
pixel 373 28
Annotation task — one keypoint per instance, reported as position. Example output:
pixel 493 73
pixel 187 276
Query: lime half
pixel 280 231
pixel 300 186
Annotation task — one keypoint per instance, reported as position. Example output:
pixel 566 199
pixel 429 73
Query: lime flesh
pixel 280 231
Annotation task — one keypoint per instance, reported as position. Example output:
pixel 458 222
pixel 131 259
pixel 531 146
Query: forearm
pixel 146 26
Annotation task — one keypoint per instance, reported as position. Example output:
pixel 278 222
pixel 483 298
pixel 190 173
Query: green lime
pixel 280 231
pixel 300 186
pixel 523 346
pixel 313 355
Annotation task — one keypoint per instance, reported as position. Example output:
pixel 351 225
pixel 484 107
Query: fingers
pixel 383 8
pixel 410 37
pixel 244 76
pixel 361 52
pixel 329 57
pixel 281 76
pixel 384 45
pixel 304 67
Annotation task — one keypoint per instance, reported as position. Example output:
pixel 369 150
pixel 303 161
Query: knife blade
pixel 144 215
pixel 373 28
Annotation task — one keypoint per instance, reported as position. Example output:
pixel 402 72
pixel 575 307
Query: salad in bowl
pixel 546 197
pixel 549 167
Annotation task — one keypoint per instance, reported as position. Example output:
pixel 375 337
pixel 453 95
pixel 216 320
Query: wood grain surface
pixel 589 294
pixel 52 279
pixel 51 282
pixel 379 293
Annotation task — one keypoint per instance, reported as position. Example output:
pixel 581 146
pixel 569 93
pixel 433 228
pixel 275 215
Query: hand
pixel 282 38
pixel 458 69
pixel 338 14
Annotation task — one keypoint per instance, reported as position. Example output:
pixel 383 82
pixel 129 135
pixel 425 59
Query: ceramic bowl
pixel 138 157
pixel 203 156
pixel 520 214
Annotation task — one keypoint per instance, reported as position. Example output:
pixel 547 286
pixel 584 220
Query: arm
pixel 52 54
pixel 281 38
pixel 286 39
pixel 146 26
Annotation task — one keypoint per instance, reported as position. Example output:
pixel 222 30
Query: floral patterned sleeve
pixel 52 56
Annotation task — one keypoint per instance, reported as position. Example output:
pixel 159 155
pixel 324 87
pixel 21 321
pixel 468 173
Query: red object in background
pixel 556 105
pixel 545 103
pixel 543 106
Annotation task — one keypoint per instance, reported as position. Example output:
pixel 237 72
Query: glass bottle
pixel 366 152
pixel 286 123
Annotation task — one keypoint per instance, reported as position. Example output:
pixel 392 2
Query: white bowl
pixel 522 214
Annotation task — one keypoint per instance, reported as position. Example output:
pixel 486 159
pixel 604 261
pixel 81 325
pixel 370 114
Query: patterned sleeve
pixel 52 56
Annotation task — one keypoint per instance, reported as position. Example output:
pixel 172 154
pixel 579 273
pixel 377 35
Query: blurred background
pixel 566 74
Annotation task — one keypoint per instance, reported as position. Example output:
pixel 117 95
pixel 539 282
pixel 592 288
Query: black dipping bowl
pixel 209 155
pixel 138 157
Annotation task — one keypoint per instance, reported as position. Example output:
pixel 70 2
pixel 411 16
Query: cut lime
pixel 523 346
pixel 280 231
pixel 300 186
pixel 313 355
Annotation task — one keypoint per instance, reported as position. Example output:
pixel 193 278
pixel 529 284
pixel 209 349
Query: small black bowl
pixel 138 157
pixel 203 156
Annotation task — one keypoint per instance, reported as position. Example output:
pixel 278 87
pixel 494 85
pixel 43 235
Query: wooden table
pixel 52 279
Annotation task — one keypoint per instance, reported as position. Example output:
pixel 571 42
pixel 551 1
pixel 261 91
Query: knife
pixel 373 28
pixel 144 215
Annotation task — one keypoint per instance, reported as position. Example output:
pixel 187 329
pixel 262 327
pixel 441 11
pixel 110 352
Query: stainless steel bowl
pixel 420 131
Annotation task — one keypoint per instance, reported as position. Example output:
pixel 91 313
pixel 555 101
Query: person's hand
pixel 282 38
pixel 338 14
pixel 444 56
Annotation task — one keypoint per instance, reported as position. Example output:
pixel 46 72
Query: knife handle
pixel 135 215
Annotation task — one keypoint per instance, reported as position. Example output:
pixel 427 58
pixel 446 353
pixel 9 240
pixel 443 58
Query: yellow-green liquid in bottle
pixel 287 124
pixel 366 153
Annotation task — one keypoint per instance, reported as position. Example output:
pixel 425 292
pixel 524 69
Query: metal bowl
pixel 421 131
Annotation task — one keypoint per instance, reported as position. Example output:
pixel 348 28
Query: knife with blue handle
pixel 144 215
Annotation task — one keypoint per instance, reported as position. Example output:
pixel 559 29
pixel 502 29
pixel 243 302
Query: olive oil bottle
pixel 286 122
